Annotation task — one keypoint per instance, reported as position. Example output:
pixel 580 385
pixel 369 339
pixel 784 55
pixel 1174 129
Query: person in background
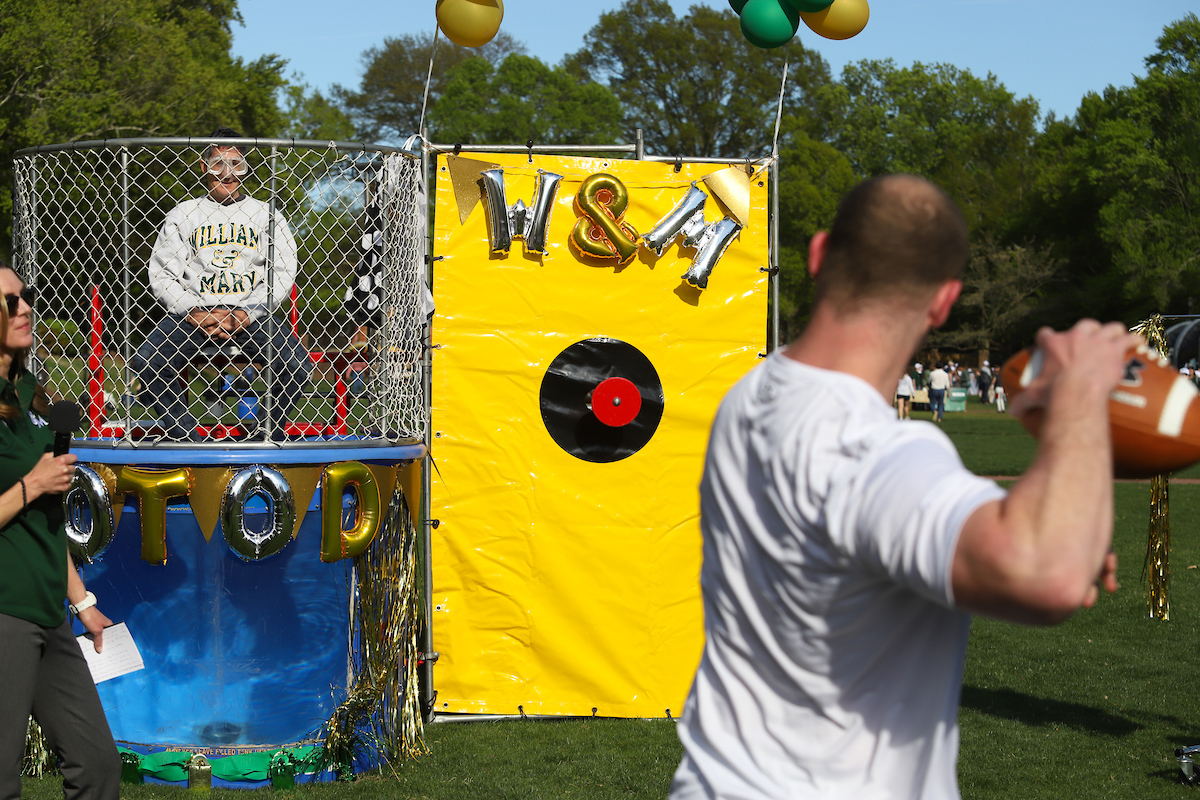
pixel 988 386
pixel 1000 399
pixel 939 382
pixel 904 393
pixel 42 670
pixel 844 550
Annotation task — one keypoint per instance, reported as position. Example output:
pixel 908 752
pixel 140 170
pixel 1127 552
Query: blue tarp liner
pixel 237 653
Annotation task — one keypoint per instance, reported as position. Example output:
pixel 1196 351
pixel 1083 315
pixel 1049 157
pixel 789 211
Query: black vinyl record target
pixel 601 400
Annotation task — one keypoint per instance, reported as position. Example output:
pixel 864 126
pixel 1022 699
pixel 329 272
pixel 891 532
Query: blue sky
pixel 1054 50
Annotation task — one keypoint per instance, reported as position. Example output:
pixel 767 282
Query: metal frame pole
pixel 268 409
pixel 425 671
pixel 773 252
pixel 126 282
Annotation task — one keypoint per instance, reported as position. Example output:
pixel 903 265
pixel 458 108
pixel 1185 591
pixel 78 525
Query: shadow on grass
pixel 1030 710
pixel 1169 776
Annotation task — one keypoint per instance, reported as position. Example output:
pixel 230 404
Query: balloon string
pixel 428 78
pixel 779 110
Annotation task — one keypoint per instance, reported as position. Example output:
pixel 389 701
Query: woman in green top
pixel 42 669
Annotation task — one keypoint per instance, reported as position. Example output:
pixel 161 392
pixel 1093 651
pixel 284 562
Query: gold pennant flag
pixel 385 477
pixel 410 482
pixel 303 480
pixel 206 496
pixel 732 187
pixel 464 177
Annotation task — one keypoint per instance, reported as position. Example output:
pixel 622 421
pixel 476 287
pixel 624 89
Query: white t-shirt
pixel 833 659
pixel 905 388
pixel 938 379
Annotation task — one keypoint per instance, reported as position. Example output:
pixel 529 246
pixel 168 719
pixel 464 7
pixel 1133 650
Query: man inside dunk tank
pixel 238 553
pixel 209 268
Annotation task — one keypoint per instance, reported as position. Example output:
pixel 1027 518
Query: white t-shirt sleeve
pixel 900 513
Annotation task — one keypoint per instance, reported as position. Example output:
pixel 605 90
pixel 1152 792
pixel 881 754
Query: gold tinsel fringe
pixel 39 760
pixel 382 713
pixel 1157 567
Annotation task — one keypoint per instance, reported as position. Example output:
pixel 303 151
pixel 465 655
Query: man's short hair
pixel 893 235
pixel 219 133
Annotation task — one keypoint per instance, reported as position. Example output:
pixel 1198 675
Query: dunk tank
pixel 267 568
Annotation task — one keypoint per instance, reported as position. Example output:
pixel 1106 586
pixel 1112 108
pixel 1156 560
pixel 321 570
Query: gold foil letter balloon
pixel 153 488
pixel 602 231
pixel 336 542
pixel 469 23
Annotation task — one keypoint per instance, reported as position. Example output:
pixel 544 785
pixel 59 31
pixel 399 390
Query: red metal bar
pixel 342 407
pixel 96 369
pixel 294 314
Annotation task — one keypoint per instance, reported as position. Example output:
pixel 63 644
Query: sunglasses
pixel 14 300
pixel 220 166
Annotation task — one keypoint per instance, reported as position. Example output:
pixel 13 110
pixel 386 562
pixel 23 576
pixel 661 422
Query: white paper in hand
pixel 120 655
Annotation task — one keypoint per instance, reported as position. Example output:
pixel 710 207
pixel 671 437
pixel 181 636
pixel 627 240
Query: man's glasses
pixel 219 166
pixel 14 300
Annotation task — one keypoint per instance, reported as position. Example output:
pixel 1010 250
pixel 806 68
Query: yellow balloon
pixel 843 19
pixel 337 542
pixel 470 23
pixel 153 488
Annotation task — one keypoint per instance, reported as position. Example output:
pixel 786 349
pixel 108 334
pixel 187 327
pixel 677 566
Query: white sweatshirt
pixel 208 255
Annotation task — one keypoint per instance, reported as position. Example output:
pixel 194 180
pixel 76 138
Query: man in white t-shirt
pixel 844 550
pixel 939 382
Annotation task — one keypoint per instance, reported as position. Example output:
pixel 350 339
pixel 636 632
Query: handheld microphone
pixel 63 419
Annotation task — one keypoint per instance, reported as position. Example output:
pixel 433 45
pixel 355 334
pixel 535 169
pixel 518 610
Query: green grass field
pixel 1091 708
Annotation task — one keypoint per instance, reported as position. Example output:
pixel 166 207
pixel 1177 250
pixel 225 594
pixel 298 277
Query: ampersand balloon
pixel 469 23
pixel 843 19
pixel 601 231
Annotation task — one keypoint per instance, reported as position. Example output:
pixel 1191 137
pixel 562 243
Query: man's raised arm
pixel 1037 555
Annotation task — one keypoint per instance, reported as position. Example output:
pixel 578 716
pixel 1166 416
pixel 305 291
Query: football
pixel 1154 412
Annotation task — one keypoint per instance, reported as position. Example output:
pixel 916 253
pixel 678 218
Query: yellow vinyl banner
pixel 591 314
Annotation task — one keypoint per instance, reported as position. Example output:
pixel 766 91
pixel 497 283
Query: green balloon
pixel 737 5
pixel 809 6
pixel 769 23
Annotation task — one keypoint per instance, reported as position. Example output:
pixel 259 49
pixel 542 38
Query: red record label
pixel 616 402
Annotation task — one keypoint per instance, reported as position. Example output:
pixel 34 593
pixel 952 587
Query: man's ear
pixel 818 246
pixel 945 298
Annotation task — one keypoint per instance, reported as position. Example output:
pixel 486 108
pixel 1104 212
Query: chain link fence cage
pixel 206 291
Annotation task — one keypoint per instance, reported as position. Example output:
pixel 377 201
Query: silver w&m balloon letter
pixel 712 245
pixel 686 218
pixel 710 241
pixel 89 515
pixel 528 223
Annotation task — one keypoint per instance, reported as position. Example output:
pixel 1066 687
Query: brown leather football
pixel 1154 412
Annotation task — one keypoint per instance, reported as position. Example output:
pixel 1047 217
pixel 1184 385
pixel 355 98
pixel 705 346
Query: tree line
pixel 1090 215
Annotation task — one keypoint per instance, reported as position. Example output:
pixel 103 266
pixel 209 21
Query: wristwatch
pixel 88 601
